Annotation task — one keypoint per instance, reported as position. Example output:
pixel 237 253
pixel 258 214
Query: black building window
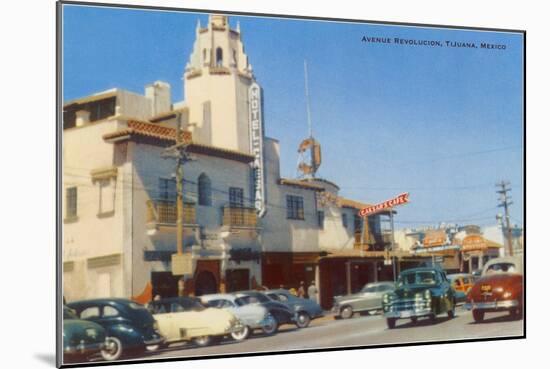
pixel 205 190
pixel 236 197
pixel 294 207
pixel 219 57
pixel 357 226
pixel 345 220
pixel 71 197
pixel 321 219
pixel 167 189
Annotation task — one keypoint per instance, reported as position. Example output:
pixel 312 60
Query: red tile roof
pixel 161 133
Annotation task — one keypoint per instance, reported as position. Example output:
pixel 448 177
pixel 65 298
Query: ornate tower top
pixel 218 49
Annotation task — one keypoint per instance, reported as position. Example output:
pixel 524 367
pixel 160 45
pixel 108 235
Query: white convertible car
pixel 251 316
pixel 186 319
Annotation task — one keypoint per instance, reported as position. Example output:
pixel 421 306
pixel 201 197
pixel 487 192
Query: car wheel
pixel 515 313
pixel 451 313
pixel 302 320
pixel 391 323
pixel 242 334
pixel 346 312
pixel 202 341
pixel 271 326
pixel 432 317
pixel 112 350
pixel 478 315
pixel 414 319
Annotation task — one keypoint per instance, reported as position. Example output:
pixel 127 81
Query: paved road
pixel 358 331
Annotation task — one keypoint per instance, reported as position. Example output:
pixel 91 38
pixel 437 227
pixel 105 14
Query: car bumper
pixel 84 349
pixel 155 340
pixel 403 314
pixel 492 305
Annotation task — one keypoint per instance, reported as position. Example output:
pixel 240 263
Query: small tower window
pixel 219 57
pixel 204 56
pixel 205 190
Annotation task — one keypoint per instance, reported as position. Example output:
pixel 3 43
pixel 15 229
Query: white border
pixel 28 146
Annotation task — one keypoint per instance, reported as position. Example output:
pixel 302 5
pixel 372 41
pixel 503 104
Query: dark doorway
pixel 165 284
pixel 205 283
pixel 361 274
pixel 237 280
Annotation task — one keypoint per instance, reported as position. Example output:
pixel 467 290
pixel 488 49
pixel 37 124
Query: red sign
pixel 399 200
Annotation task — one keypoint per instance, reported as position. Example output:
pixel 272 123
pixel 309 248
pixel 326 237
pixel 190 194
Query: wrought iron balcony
pixel 165 212
pixel 238 216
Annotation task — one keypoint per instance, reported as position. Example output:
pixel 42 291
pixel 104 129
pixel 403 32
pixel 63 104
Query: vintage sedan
pixel 461 283
pixel 282 313
pixel 130 327
pixel 252 316
pixel 500 288
pixel 305 309
pixel 367 300
pixel 187 319
pixel 81 339
pixel 420 292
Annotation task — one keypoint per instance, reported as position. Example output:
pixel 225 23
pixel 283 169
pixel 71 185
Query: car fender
pixel 126 333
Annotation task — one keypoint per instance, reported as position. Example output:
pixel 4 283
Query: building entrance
pixel 205 283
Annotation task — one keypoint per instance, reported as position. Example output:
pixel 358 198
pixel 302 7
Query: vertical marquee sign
pixel 257 146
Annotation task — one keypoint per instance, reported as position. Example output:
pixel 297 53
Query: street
pixel 358 331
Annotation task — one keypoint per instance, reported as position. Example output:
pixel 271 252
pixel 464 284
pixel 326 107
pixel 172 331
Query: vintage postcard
pixel 233 184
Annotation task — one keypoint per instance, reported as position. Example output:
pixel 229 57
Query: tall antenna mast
pixel 309 151
pixel 307 100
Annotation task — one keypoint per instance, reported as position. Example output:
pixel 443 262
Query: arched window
pixel 205 190
pixel 219 57
pixel 204 56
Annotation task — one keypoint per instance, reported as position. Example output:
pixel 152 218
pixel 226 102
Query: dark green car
pixel 420 292
pixel 81 339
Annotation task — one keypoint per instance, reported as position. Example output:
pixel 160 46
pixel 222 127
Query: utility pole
pixel 178 151
pixel 505 201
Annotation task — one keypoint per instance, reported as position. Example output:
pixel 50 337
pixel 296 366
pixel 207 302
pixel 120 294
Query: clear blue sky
pixel 442 123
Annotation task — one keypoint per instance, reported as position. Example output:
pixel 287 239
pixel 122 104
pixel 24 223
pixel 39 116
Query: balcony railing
pixel 235 216
pixel 165 212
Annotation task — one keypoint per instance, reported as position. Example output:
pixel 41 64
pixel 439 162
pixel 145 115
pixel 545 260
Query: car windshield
pixel 369 288
pixel 424 277
pixel 501 268
pixel 175 306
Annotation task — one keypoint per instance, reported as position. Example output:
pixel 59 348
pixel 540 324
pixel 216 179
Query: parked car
pixel 130 326
pixel 461 283
pixel 368 299
pixel 187 319
pixel 82 339
pixel 305 309
pixel 252 316
pixel 420 292
pixel 500 288
pixel 282 313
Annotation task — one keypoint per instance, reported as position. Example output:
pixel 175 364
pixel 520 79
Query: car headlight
pixel 386 298
pixel 427 294
pixel 507 295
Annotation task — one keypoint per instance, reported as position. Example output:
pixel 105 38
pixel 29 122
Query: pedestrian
pixel 301 290
pixel 312 291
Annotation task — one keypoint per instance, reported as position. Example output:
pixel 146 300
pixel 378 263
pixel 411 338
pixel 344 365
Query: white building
pixel 241 230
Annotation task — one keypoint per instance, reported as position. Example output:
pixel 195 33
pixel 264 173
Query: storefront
pixel 476 251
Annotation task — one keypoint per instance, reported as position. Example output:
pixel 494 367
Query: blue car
pixel 305 309
pixel 129 326
pixel 82 339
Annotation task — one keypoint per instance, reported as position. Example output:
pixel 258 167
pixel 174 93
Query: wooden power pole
pixel 505 201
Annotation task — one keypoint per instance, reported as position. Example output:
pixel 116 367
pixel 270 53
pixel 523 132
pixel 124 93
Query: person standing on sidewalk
pixel 312 291
pixel 302 290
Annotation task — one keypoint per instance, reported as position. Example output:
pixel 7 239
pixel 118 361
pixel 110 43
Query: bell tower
pixel 216 81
